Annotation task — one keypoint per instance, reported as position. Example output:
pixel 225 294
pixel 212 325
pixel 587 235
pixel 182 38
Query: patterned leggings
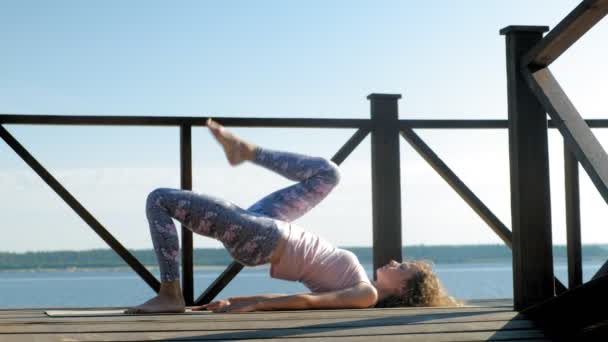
pixel 251 235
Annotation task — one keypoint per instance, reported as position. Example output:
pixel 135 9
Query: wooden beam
pixel 456 124
pixel 185 143
pixel 109 120
pixel 464 192
pixel 566 33
pixel 219 283
pixel 458 185
pixel 350 145
pixel 573 219
pixel 71 201
pixel 386 179
pixel 579 137
pixel 533 278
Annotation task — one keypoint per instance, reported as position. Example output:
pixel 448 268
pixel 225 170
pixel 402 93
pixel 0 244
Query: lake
pixel 123 287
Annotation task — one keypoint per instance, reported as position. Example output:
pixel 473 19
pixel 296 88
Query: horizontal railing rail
pixel 86 120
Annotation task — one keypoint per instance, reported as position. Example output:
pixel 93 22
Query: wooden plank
pixel 216 319
pixel 490 302
pixel 210 324
pixel 580 307
pixel 468 315
pixel 290 335
pixel 205 324
pixel 273 328
pixel 386 179
pixel 303 314
pixel 426 324
pixel 566 33
pixel 448 316
pixel 445 314
pixel 573 219
pixel 576 133
pixel 424 338
pixel 202 325
pixel 71 201
pixel 533 278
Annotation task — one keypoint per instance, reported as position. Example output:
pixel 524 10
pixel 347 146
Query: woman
pixel 263 234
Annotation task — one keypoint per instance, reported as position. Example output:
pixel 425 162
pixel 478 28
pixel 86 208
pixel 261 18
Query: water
pixel 122 288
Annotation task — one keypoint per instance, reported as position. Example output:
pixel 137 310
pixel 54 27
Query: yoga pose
pixel 264 233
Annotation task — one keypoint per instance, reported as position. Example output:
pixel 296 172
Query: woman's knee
pixel 332 173
pixel 156 194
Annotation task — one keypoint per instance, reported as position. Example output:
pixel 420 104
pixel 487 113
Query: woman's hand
pixel 213 306
pixel 239 307
pixel 225 306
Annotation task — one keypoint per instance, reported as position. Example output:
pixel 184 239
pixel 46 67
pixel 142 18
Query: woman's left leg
pixel 249 237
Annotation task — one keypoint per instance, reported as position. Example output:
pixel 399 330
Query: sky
pixel 313 59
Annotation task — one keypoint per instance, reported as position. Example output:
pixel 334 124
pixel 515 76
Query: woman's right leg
pixel 316 177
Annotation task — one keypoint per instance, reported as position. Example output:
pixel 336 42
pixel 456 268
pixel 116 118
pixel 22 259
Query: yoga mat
pixel 111 312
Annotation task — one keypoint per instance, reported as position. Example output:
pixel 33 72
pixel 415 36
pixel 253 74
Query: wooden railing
pixel 385 128
pixel 532 93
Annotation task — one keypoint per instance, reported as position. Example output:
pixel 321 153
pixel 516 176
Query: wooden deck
pixel 478 321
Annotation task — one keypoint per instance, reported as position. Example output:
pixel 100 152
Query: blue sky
pixel 269 59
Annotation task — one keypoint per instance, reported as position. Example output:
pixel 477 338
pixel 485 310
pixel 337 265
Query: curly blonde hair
pixel 423 289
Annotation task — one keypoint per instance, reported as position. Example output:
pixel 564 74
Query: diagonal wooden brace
pixel 566 33
pixel 577 134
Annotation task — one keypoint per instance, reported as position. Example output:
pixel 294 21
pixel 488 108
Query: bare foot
pixel 237 150
pixel 158 304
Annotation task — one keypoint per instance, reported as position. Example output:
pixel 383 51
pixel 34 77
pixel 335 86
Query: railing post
pixel 386 182
pixel 573 219
pixel 186 184
pixel 533 279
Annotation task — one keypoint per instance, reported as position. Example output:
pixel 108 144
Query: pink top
pixel 317 264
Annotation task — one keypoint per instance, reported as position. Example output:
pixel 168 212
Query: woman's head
pixel 411 283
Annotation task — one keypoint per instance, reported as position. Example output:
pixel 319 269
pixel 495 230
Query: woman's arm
pixel 222 304
pixel 362 295
pixel 256 298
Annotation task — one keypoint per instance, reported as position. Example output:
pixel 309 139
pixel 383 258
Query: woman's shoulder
pixel 349 254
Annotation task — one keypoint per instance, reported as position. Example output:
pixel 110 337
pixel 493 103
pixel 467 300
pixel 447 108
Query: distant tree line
pixel 219 256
